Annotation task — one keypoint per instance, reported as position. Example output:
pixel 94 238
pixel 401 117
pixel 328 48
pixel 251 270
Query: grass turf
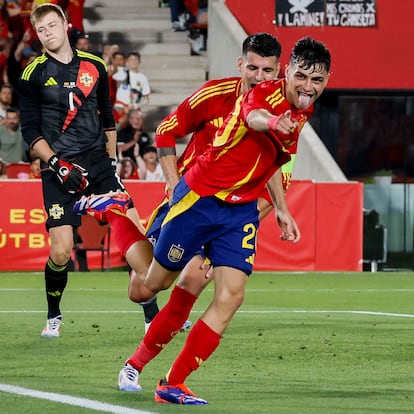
pixel 301 343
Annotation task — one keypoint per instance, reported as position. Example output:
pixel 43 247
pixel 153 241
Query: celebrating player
pixel 201 114
pixel 215 202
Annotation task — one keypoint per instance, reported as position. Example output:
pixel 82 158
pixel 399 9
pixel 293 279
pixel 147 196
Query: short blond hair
pixel 45 8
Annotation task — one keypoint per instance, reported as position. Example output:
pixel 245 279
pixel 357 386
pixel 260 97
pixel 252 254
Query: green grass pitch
pixel 310 343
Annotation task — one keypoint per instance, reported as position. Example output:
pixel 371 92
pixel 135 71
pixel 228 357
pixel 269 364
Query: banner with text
pixel 317 13
pixel 328 214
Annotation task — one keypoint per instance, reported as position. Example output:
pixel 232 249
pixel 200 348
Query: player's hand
pixel 72 176
pixel 290 230
pixel 283 123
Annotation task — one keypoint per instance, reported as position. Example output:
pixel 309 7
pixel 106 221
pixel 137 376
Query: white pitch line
pixel 70 400
pixel 270 291
pixel 359 312
pixel 262 312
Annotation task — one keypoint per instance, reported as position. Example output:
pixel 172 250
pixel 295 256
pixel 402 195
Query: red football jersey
pixel 240 161
pixel 201 114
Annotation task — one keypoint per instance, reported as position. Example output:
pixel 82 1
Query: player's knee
pixel 60 256
pixel 156 286
pixel 233 299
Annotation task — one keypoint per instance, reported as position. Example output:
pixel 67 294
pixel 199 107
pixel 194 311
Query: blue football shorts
pixel 227 231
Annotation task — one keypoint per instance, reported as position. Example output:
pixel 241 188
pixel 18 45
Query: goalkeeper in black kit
pixel 67 122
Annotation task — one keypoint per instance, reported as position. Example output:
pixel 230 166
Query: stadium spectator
pixel 153 169
pixel 132 139
pixel 249 144
pixel 117 60
pixel 3 168
pixel 6 100
pixel 75 11
pixel 198 28
pixel 179 15
pixel 128 169
pixel 12 147
pixel 35 170
pixel 79 39
pixel 25 51
pixel 133 86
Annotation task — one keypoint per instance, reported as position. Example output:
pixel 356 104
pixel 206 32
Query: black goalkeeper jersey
pixel 67 104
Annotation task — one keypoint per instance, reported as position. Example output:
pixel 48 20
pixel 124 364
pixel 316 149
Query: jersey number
pixel 249 240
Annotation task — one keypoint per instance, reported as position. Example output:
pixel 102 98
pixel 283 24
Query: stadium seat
pixel 18 170
pixel 93 236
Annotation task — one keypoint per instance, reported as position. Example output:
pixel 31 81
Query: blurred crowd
pixel 129 90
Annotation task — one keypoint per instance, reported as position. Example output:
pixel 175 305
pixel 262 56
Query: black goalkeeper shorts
pixel 58 202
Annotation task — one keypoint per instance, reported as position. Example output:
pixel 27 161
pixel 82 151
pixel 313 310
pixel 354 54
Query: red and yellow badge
pixel 86 79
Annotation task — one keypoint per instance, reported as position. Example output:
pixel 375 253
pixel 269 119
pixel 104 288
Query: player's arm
pixel 290 230
pixel 111 143
pixel 175 126
pixel 168 161
pixel 262 120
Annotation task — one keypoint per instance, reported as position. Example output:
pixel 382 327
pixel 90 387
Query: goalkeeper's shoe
pixel 128 379
pixel 97 205
pixel 52 328
pixel 176 394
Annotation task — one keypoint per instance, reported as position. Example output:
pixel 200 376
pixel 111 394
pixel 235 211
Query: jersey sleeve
pixel 176 125
pixel 29 99
pixel 260 97
pixel 198 110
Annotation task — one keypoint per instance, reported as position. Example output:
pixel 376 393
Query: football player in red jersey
pixel 200 115
pixel 214 205
pixel 67 122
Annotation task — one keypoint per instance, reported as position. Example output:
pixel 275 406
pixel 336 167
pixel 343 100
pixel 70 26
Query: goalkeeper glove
pixel 72 176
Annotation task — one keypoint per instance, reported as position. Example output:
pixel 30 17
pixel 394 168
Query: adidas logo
pixel 50 82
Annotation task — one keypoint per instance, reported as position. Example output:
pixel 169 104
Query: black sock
pixel 150 309
pixel 56 278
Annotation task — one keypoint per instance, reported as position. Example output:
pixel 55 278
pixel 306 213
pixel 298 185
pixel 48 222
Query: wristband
pixel 53 162
pixel 272 122
pixel 113 163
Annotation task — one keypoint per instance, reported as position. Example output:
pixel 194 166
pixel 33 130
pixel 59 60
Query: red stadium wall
pixel 362 58
pixel 329 216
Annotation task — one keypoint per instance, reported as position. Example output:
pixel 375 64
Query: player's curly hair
pixel 308 53
pixel 262 44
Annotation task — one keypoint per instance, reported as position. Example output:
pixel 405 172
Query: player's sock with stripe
pixel 56 278
pixel 124 231
pixel 165 325
pixel 201 342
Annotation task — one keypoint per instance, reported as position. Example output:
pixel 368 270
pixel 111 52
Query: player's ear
pixel 240 64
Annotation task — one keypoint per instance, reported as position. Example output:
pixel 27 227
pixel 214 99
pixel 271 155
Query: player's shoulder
pixel 36 64
pixel 216 89
pixel 271 84
pixel 91 57
pixel 223 84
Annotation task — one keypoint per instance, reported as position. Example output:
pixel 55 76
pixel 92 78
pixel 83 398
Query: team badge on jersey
pixel 56 211
pixel 86 79
pixel 175 253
